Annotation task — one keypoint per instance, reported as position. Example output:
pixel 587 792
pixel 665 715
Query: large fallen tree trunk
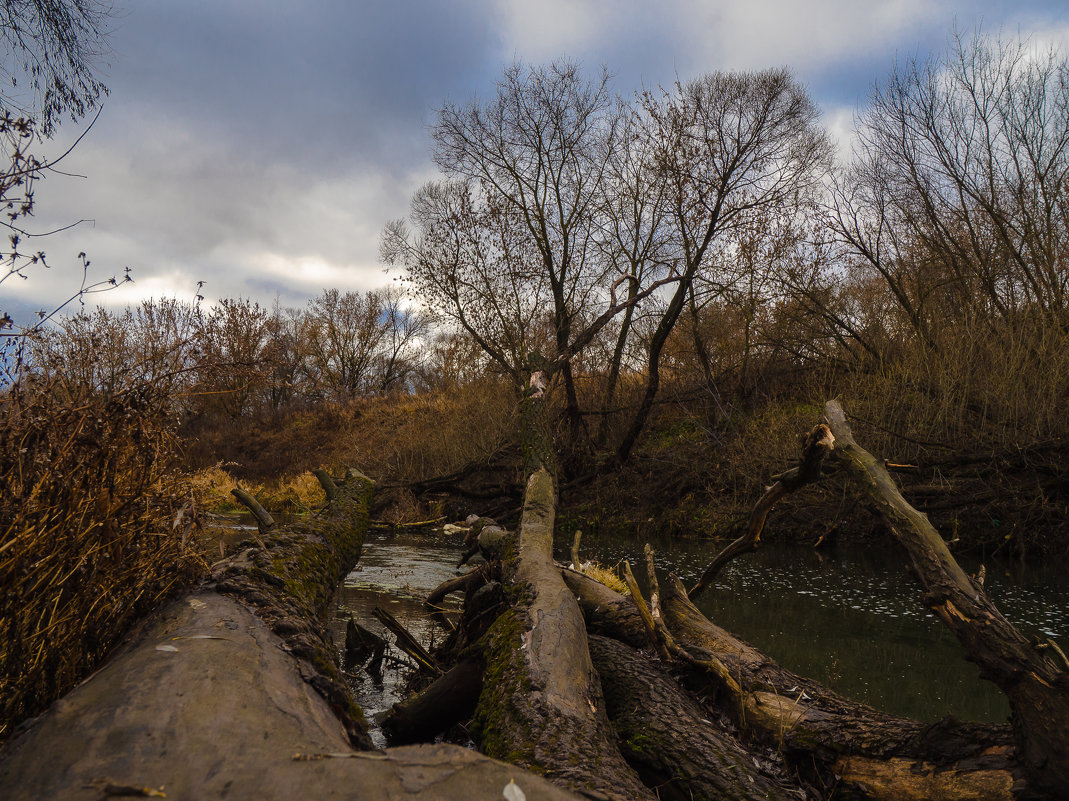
pixel 1031 674
pixel 231 693
pixel 832 742
pixel 837 740
pixel 541 705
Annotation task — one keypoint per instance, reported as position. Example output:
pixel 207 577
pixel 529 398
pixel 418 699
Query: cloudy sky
pixel 259 146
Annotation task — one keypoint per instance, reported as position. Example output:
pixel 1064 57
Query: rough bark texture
pixel 1037 686
pixel 819 730
pixel 289 579
pixel 541 705
pixel 224 715
pixel 448 700
pixel 668 737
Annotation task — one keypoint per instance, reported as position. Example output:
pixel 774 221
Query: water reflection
pixel 395 572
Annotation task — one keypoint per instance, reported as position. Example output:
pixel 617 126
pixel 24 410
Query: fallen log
pixel 832 742
pixel 541 705
pixel 818 444
pixel 668 736
pixel 405 641
pixel 230 693
pixel 1035 682
pixel 823 733
pixel 466 583
pixel 226 714
pixel 448 700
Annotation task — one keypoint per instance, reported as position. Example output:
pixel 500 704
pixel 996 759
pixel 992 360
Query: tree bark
pixel 1036 684
pixel 668 737
pixel 448 700
pixel 541 706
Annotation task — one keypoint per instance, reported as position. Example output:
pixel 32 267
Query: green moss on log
pixel 291 581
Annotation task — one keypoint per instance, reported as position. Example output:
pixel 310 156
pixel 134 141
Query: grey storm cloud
pixel 261 146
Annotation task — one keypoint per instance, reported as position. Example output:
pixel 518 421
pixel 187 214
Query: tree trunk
pixel 669 738
pixel 1036 684
pixel 541 707
pixel 602 436
pixel 653 367
pixel 448 700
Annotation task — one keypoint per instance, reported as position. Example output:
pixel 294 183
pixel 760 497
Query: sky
pixel 260 146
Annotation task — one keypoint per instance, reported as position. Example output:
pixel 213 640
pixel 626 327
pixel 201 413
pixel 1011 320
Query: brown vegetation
pixel 89 539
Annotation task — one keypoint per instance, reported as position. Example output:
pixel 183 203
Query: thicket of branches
pixel 702 243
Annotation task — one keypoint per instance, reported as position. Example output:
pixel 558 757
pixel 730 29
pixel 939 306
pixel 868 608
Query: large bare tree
pixel 727 146
pixel 540 150
pixel 956 195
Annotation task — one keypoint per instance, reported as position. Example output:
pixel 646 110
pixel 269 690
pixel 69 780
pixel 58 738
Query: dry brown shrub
pixel 87 544
pixel 212 486
pixel 416 437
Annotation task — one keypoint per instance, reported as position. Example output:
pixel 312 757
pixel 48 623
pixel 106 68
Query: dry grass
pixel 87 546
pixel 211 487
pixel 412 438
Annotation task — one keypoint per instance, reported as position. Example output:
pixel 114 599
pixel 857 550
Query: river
pixel 849 618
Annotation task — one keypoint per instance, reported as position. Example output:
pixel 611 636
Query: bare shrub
pixel 87 499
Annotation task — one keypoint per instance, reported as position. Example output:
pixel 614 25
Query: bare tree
pixel 236 354
pixel 342 333
pixel 469 261
pixel 52 47
pixel 406 328
pixel 727 146
pixel 540 148
pixel 956 197
pixel 632 237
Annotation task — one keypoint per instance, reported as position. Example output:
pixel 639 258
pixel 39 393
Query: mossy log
pixel 290 576
pixel 669 737
pixel 541 706
pixel 1036 683
pixel 230 693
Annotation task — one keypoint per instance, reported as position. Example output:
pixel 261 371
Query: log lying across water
pixel 231 693
pixel 1030 673
pixel 541 704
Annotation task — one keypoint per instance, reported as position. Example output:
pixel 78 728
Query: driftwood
pixel 448 700
pixel 405 641
pixel 1033 679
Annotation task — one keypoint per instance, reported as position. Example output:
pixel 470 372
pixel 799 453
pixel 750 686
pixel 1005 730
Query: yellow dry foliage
pixel 211 486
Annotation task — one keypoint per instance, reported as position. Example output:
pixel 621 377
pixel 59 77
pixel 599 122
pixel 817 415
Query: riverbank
pixel 694 473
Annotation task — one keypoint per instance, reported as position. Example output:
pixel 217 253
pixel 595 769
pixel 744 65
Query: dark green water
pixel 850 619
